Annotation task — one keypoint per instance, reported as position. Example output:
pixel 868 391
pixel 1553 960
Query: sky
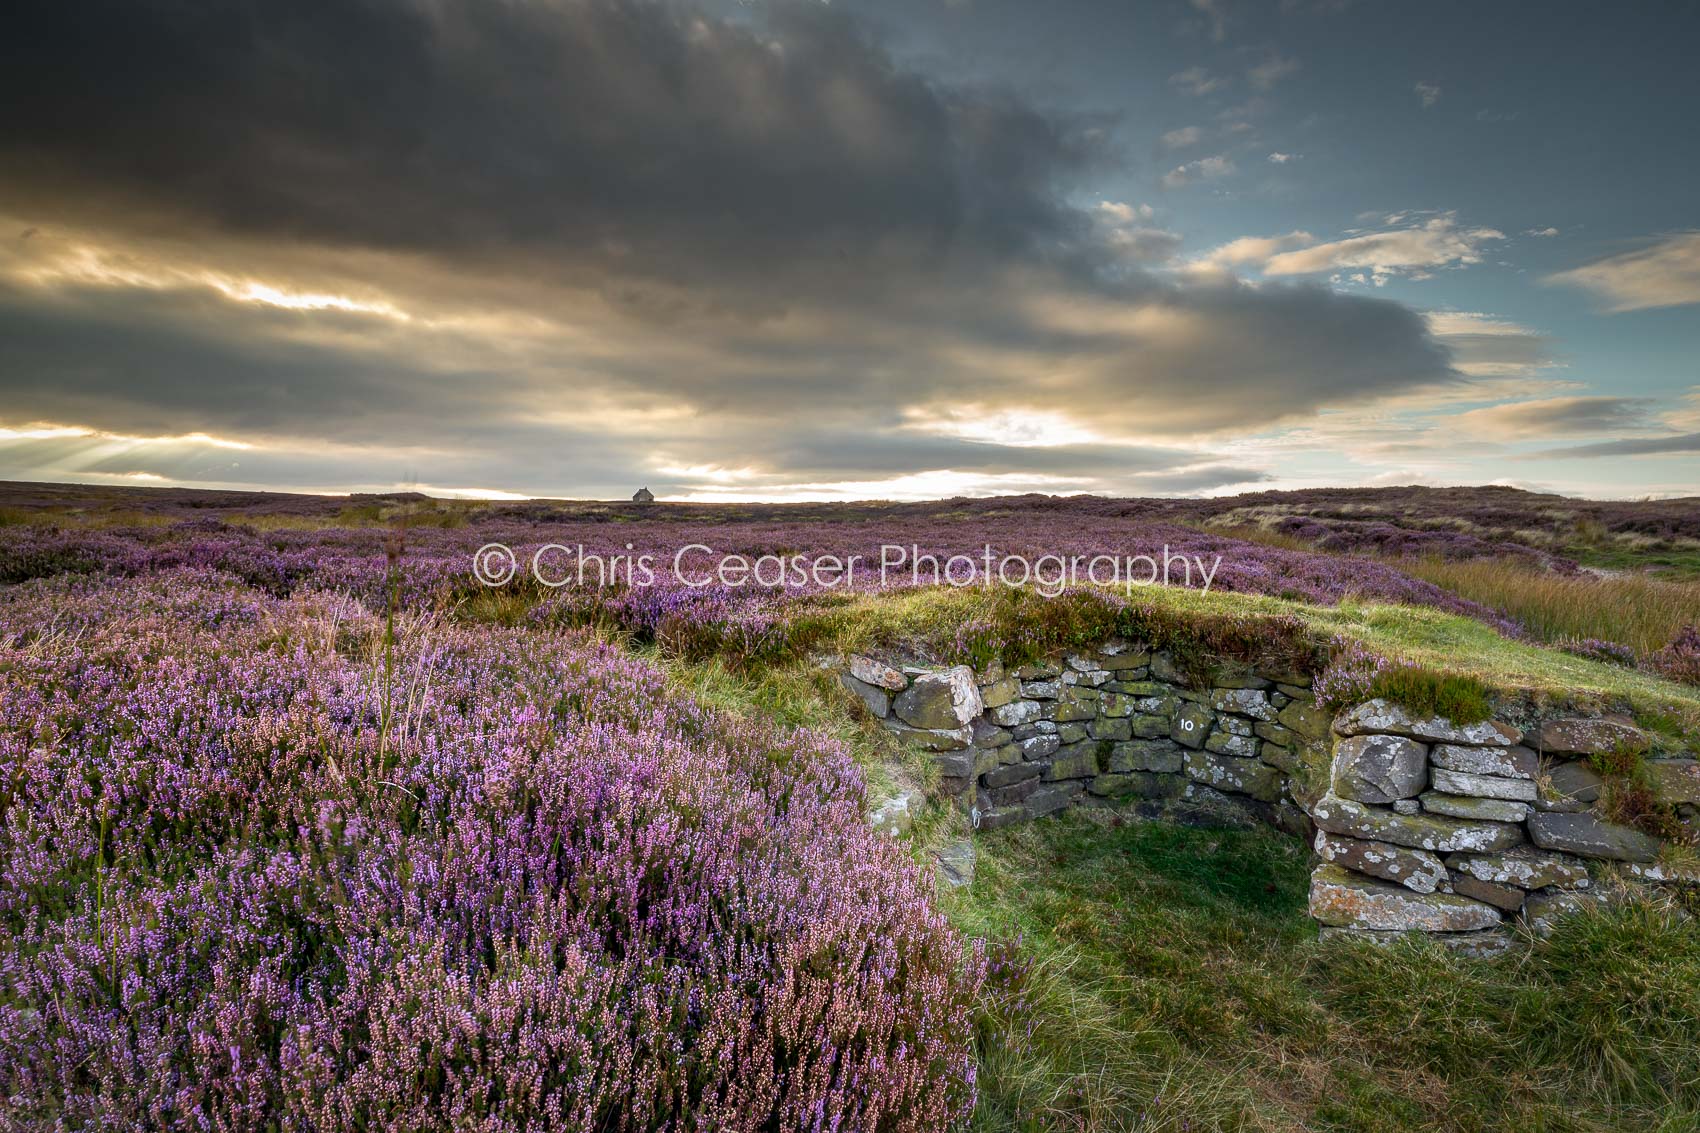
pixel 861 249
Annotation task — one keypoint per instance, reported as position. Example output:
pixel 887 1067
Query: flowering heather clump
pixel 554 894
pixel 1356 674
pixel 1351 675
pixel 1594 649
pixel 1680 660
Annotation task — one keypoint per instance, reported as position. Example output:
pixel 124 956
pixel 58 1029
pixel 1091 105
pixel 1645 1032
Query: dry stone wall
pixel 1417 824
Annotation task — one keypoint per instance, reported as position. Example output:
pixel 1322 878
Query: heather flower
pixel 562 897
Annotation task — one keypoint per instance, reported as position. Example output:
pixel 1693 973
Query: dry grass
pixel 1640 612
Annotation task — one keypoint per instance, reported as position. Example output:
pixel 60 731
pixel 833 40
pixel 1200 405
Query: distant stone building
pixel 643 496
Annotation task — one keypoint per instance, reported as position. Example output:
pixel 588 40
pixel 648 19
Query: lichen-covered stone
pixel 948 698
pixel 1528 867
pixel 877 700
pixel 1482 786
pixel 1587 735
pixel 1421 831
pixel 1381 715
pixel 1306 719
pixel 988 734
pixel 1121 662
pixel 1115 704
pixel 1138 784
pixel 956 764
pixel 1460 806
pixel 1012 795
pixel 1286 758
pixel 1012 773
pixel 1676 781
pixel 1039 747
pixel 1345 899
pixel 1163 667
pixel 1145 755
pixel 932 739
pixel 1504 762
pixel 1078 761
pixel 1417 870
pixel 1229 773
pixel 954 863
pixel 1570 787
pixel 1017 712
pixel 1379 768
pixel 1591 837
pixel 1234 725
pixel 877 673
pixel 1048 689
pixel 1000 692
pixel 1253 702
pixel 1506 897
pixel 1543 911
pixel 1075 704
pixel 1111 728
pixel 996 818
pixel 895 816
pixel 1226 743
pixel 1051 798
pixel 1191 725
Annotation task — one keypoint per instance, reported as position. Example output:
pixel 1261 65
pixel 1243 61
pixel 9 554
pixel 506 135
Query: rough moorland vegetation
pixel 302 827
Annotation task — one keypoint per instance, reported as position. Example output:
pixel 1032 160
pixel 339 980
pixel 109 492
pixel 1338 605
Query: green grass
pixel 1176 984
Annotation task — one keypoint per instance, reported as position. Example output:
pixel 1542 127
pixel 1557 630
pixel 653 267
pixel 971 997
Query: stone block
pixel 1417 870
pixel 877 673
pixel 1051 798
pixel 1482 786
pixel 1226 743
pixel 877 700
pixel 1506 897
pixel 1676 781
pixel 1379 768
pixel 1504 762
pixel 1000 692
pixel 1013 773
pixel 1138 784
pixel 1527 867
pixel 1306 719
pixel 1253 702
pixel 1587 735
pixel 1145 755
pixel 1384 716
pixel 1239 776
pixel 1420 831
pixel 1462 806
pixel 1017 712
pixel 1588 836
pixel 1078 761
pixel 1111 728
pixel 1191 725
pixel 1345 899
pixel 949 698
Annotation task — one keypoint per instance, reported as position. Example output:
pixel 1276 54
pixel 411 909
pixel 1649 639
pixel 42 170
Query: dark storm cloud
pixel 572 139
pixel 764 242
